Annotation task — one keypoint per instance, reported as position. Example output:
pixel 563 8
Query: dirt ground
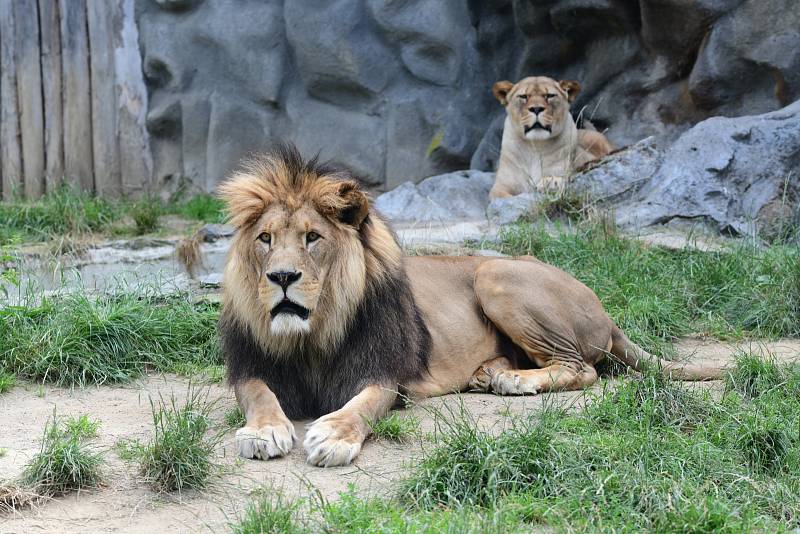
pixel 125 503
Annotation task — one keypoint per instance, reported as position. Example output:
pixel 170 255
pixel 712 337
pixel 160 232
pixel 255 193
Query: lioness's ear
pixel 500 91
pixel 355 204
pixel 572 88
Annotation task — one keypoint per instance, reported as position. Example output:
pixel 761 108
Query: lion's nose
pixel 284 278
pixel 536 110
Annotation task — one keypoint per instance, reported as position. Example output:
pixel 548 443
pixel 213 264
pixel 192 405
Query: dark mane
pixel 386 342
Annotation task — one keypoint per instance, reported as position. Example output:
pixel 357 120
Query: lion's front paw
pixel 330 443
pixel 266 442
pixel 512 383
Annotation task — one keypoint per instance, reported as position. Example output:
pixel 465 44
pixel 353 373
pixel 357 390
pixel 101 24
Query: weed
pixel 129 449
pixel 395 427
pixel 7 381
pixel 145 214
pixel 235 418
pixel 76 339
pixel 180 454
pixel 64 462
pixel 81 426
pixel 754 376
pixel 206 208
pixel 269 513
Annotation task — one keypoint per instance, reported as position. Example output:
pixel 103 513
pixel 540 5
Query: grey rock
pixel 399 90
pixel 458 196
pixel 212 280
pixel 738 174
pixel 508 210
pixel 621 173
pixel 212 232
pixel 749 63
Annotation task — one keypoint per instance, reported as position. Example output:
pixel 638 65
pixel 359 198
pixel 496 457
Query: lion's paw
pixel 512 383
pixel 481 380
pixel 330 445
pixel 266 442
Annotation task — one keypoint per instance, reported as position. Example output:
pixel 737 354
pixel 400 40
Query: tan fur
pixel 510 326
pixel 262 197
pixel 538 159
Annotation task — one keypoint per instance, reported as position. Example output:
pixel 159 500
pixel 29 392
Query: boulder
pixel 447 198
pixel 740 175
pixel 508 210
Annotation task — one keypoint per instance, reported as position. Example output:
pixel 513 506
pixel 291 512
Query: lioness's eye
pixel 550 95
pixel 523 97
pixel 312 236
pixel 264 237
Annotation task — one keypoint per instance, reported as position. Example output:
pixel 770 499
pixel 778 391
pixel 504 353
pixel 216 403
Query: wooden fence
pixel 72 98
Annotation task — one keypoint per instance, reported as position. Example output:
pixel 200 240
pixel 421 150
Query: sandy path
pixel 126 504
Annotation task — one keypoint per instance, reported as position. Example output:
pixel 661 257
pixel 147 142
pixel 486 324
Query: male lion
pixel 541 145
pixel 323 317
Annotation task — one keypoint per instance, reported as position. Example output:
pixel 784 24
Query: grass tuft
pixel 180 454
pixel 145 214
pixel 269 513
pixel 7 381
pixel 77 339
pixel 64 462
pixel 394 427
pixel 235 417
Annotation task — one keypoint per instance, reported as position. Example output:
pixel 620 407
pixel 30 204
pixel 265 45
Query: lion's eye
pixel 522 97
pixel 549 96
pixel 312 236
pixel 265 237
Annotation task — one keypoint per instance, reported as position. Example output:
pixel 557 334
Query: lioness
pixel 323 317
pixel 541 145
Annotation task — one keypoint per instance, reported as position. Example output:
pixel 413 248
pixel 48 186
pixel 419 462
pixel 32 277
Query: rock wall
pixel 399 90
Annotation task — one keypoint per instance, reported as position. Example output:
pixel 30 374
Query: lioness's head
pixel 538 106
pixel 305 249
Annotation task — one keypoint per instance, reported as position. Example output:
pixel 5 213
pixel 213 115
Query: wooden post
pixel 29 93
pixel 77 106
pixel 105 145
pixel 51 90
pixel 10 152
pixel 135 157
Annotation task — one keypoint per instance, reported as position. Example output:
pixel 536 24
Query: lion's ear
pixel 500 91
pixel 572 88
pixel 355 204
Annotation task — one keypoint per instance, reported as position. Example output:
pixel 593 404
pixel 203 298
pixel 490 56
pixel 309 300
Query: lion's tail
pixel 637 358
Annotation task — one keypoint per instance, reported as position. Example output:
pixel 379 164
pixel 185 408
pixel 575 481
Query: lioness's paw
pixel 265 442
pixel 328 444
pixel 512 383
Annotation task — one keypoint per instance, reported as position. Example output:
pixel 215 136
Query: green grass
pixel 82 426
pixel 65 461
pixel 180 455
pixel 235 417
pixel 395 427
pixel 77 339
pixel 7 381
pixel 269 513
pixel 644 455
pixel 68 213
pixel 656 294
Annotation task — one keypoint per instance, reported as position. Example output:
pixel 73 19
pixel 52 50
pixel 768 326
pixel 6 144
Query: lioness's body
pixel 541 145
pixel 324 318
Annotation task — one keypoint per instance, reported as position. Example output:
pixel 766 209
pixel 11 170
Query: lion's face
pixel 537 106
pixel 305 248
pixel 294 251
